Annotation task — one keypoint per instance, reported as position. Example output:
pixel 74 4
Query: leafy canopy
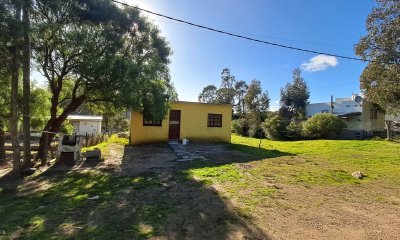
pixel 380 80
pixel 93 51
pixel 294 98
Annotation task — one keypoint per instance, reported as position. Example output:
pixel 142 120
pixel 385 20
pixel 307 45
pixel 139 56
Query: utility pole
pixel 14 89
pixel 26 70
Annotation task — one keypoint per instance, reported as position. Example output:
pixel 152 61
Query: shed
pixel 84 124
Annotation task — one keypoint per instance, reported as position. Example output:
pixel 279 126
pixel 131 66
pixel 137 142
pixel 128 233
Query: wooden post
pixel 389 130
pixel 44 157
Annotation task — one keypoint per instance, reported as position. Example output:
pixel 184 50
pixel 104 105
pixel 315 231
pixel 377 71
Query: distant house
pixel 185 120
pixel 363 118
pixel 86 124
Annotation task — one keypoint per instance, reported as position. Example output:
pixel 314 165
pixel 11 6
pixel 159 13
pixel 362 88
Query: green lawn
pixel 329 162
pixel 56 206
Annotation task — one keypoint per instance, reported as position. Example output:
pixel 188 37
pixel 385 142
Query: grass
pixel 63 208
pixel 104 146
pixel 140 207
pixel 329 162
pixel 323 163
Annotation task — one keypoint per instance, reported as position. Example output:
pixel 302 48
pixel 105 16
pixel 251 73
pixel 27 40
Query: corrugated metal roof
pixel 84 117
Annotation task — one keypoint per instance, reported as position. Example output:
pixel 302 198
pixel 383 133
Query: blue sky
pixel 199 55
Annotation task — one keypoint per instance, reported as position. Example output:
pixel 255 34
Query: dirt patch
pixel 218 153
pixel 329 213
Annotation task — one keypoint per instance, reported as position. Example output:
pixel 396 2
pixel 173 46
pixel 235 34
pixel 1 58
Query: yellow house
pixel 190 120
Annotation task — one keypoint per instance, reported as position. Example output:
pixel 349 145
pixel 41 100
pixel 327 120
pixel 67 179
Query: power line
pixel 268 36
pixel 242 36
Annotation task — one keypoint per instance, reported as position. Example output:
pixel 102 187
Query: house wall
pixel 193 124
pixel 377 124
pixel 147 134
pixel 83 127
pixel 354 123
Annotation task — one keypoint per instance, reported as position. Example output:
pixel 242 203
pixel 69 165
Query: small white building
pixel 86 124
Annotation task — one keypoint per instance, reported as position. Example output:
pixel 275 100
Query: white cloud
pixel 319 63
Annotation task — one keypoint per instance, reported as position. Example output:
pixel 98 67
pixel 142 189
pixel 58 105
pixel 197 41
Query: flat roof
pixel 350 114
pixel 85 117
pixel 203 103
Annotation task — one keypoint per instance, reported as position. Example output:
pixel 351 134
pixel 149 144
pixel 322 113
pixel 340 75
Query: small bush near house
pixel 274 128
pixel 241 126
pixel 293 130
pixel 323 126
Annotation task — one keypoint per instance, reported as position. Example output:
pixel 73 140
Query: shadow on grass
pixel 163 202
pixel 257 153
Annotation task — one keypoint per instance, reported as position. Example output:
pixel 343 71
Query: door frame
pixel 174 123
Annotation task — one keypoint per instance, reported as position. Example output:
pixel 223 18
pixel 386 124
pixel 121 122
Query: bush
pixel 274 128
pixel 66 127
pixel 241 126
pixel 323 125
pixel 293 130
pixel 256 131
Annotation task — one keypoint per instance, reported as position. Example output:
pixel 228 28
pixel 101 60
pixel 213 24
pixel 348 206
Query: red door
pixel 174 124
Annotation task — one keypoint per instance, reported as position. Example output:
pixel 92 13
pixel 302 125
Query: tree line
pixel 249 101
pixel 379 82
pixel 89 52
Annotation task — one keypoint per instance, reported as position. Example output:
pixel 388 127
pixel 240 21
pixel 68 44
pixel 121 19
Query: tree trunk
pixel 26 55
pixel 53 126
pixel 2 142
pixel 14 92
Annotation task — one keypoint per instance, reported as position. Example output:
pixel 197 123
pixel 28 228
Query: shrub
pixel 241 126
pixel 256 131
pixel 274 128
pixel 293 130
pixel 323 125
pixel 66 127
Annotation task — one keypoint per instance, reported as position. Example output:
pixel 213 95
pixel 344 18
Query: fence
pixel 92 139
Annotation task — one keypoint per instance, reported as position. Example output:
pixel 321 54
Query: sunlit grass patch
pixel 326 162
pixel 104 146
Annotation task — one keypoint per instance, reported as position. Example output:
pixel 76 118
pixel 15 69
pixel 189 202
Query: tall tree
pixel 294 98
pixel 14 87
pixel 93 51
pixel 26 69
pixel 256 101
pixel 6 23
pixel 257 104
pixel 240 90
pixel 209 94
pixel 226 93
pixel 380 80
